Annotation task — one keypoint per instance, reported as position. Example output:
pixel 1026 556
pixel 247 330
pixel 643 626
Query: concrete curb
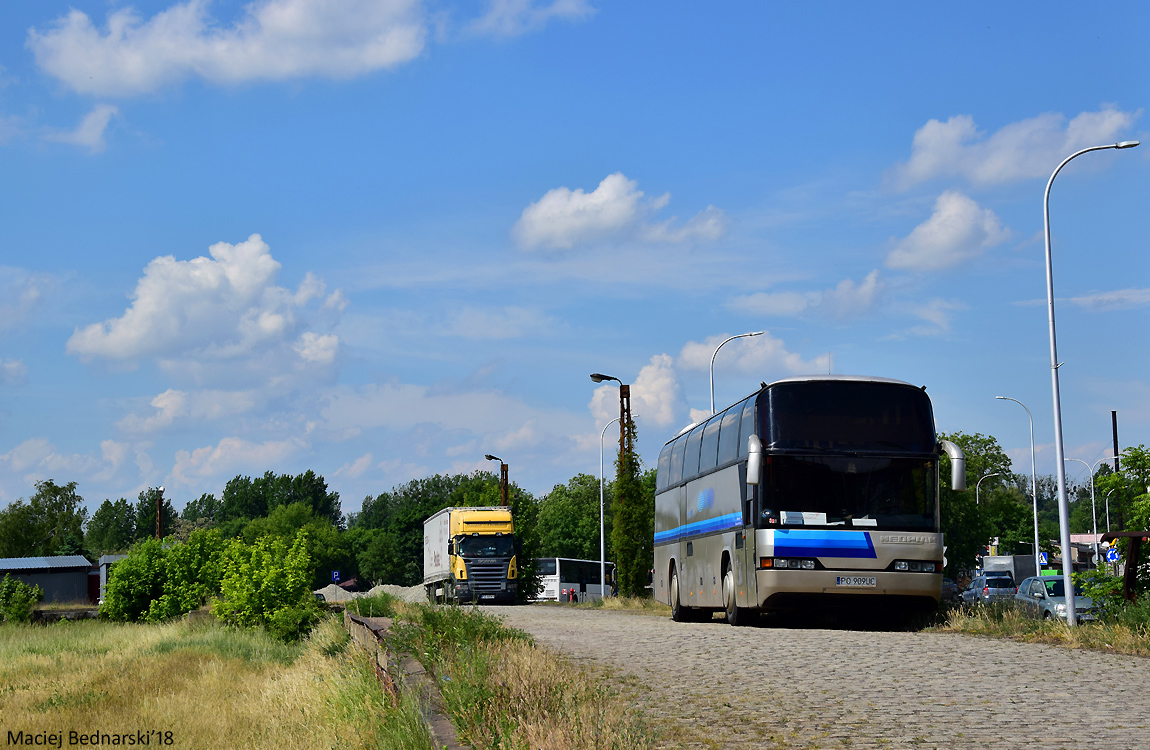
pixel 370 633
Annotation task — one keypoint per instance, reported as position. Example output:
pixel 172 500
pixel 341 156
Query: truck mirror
pixel 754 459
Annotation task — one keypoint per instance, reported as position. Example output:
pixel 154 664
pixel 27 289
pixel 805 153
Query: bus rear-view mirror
pixel 754 459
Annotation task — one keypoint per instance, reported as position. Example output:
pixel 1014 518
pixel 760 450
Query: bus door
pixel 745 558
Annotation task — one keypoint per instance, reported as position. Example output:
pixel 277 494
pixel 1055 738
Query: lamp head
pixel 1127 144
pixel 161 489
pixel 599 377
pixel 490 457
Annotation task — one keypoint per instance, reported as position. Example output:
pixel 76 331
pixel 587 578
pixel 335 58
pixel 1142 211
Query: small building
pixel 106 562
pixel 63 579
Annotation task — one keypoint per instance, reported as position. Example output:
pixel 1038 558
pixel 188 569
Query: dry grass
pixel 1002 621
pixel 211 687
pixel 638 604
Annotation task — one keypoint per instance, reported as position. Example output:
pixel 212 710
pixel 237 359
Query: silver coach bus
pixel 811 492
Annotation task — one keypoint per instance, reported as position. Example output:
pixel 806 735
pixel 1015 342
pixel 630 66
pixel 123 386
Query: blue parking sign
pixel 1111 555
pixel 335 576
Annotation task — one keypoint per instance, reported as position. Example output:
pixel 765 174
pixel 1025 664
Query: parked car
pixel 989 587
pixel 1044 598
pixel 949 590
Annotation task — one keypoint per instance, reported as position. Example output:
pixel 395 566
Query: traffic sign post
pixel 1042 558
pixel 1112 555
pixel 335 576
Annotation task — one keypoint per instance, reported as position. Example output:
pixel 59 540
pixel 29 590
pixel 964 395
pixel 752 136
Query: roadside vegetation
pixel 639 604
pixel 209 685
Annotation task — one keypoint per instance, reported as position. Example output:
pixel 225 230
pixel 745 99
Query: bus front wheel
pixel 678 611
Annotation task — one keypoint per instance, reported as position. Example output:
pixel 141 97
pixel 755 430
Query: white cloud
pixel 846 299
pixel 219 308
pixel 90 132
pixel 229 456
pixel 563 218
pixel 937 315
pixel 355 469
pixel 199 406
pixel 655 395
pixel 1119 299
pixel 13 372
pixel 274 40
pixel 1018 151
pixel 764 355
pixel 956 232
pixel 515 17
pixel 21 292
pixel 502 323
pixel 39 458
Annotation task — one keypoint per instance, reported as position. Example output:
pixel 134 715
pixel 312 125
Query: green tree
pixel 328 550
pixel 966 528
pixel 632 534
pixel 146 514
pixel 51 522
pixel 267 584
pixel 112 527
pixel 569 519
pixel 205 506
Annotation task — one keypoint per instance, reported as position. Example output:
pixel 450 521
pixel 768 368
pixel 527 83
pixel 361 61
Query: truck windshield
pixel 487 546
pixel 865 491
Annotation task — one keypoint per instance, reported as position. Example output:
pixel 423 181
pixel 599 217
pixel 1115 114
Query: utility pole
pixel 159 505
pixel 1114 424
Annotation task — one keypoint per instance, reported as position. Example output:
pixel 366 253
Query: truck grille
pixel 487 575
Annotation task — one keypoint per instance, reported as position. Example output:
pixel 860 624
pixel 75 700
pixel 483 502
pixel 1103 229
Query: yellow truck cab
pixel 469 556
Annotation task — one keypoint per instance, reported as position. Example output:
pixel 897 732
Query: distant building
pixel 67 578
pixel 106 562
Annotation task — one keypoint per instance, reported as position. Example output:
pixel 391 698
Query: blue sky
pixel 381 239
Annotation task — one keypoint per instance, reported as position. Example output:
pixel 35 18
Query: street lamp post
pixel 159 511
pixel 1093 507
pixel 502 478
pixel 1060 457
pixel 1108 494
pixel 717 348
pixel 602 542
pixel 1033 481
pixel 624 409
pixel 979 484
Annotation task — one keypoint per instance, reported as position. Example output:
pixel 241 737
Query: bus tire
pixel 736 615
pixel 678 611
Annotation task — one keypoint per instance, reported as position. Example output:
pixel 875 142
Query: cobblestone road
pixel 711 685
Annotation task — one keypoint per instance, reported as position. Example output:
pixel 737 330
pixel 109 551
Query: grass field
pixel 197 687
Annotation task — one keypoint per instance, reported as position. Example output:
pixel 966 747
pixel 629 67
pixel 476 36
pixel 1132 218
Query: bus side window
pixel 710 446
pixel 729 434
pixel 664 468
pixel 676 475
pixel 691 456
pixel 748 427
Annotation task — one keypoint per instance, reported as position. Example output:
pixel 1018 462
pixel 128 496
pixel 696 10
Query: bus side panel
pixel 666 541
pixel 714 514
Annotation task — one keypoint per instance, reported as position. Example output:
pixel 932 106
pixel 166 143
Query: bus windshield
pixel 847 416
pixel 860 491
pixel 487 546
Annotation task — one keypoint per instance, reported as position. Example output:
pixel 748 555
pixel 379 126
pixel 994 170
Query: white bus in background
pixel 562 575
pixel 811 492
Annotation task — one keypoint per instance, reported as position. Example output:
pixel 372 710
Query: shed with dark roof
pixel 63 578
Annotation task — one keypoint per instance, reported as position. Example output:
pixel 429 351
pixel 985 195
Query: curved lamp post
pixel 717 348
pixel 624 407
pixel 979 484
pixel 1060 462
pixel 602 543
pixel 1033 481
pixel 1093 507
pixel 502 477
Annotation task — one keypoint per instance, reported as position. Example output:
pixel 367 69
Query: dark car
pixel 949 591
pixel 989 587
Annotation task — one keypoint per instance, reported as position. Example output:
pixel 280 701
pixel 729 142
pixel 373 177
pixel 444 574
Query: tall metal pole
pixel 602 534
pixel 1108 494
pixel 979 484
pixel 159 501
pixel 1114 424
pixel 717 348
pixel 1033 483
pixel 1060 453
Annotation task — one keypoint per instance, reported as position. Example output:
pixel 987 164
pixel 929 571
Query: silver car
pixel 1044 597
pixel 988 588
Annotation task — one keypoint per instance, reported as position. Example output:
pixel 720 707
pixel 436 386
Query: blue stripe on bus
pixel 810 543
pixel 709 526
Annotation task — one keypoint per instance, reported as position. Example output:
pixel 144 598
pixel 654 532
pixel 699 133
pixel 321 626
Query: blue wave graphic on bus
pixel 802 543
pixel 708 526
pixel 704 501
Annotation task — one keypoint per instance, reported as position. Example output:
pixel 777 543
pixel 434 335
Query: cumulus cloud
pixel 355 469
pixel 655 395
pixel 229 456
pixel 616 209
pixel 90 132
pixel 764 355
pixel 846 299
pixel 37 458
pixel 1018 151
pixel 957 231
pixel 218 308
pixel 200 406
pixel 514 17
pixel 273 40
pixel 13 372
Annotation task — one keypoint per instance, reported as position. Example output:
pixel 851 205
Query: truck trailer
pixel 469 556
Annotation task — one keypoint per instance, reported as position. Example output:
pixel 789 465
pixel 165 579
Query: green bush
pixel 161 580
pixel 1136 615
pixel 380 605
pixel 1103 588
pixel 18 599
pixel 267 585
